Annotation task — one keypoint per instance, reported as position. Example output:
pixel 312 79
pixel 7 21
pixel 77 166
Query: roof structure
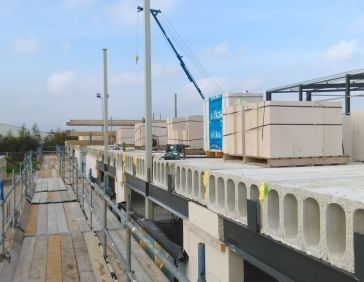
pixel 346 82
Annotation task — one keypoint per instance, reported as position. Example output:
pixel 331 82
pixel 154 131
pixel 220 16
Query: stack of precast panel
pixel 357 122
pixel 125 134
pixel 213 115
pixel 234 132
pixel 159 131
pixel 187 131
pixel 284 129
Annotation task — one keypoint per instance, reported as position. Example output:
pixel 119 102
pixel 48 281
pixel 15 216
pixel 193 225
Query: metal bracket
pixel 253 216
pixel 5 256
pixel 359 255
pixel 170 183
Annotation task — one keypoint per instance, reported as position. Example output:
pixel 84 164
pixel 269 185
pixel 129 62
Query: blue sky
pixel 51 58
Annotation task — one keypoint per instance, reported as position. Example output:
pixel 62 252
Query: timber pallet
pixel 234 158
pixel 214 154
pixel 306 161
pixel 193 152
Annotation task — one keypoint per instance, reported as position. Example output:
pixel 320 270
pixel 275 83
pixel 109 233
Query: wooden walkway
pixel 58 244
pixel 55 242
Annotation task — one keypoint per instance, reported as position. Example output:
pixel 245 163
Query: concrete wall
pixel 221 264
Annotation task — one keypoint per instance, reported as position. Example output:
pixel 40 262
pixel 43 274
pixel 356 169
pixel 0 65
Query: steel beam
pixel 308 96
pixel 268 96
pixel 359 255
pixel 176 204
pixel 347 95
pixel 279 260
pixel 300 93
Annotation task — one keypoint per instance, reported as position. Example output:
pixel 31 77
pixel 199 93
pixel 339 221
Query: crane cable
pixel 196 63
pixel 137 41
pixel 204 74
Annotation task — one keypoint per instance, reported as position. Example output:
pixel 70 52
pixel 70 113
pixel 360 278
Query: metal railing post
pixel 2 217
pixel 76 172
pixel 21 184
pixel 128 232
pixel 201 263
pixel 106 185
pixel 72 174
pixel 14 197
pixel 83 187
pixel 28 173
pixel 91 207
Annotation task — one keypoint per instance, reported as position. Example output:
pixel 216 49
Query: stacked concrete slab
pixel 87 138
pixel 234 131
pixel 159 130
pixel 283 129
pixel 125 134
pixel 357 122
pixel 229 99
pixel 186 130
pixel 312 209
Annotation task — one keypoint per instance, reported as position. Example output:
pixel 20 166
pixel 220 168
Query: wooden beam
pixel 99 122
pixel 85 142
pixel 92 133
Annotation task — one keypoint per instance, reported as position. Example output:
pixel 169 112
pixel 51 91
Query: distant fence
pixel 17 156
pixel 2 167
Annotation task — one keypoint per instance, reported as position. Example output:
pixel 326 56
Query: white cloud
pixel 343 51
pixel 222 51
pixel 26 46
pixel 61 83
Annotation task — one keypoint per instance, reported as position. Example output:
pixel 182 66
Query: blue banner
pixel 215 122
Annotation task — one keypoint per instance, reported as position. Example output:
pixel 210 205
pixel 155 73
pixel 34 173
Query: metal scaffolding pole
pixel 106 145
pixel 148 105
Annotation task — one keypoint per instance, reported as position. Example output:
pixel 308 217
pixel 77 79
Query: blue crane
pixel 179 57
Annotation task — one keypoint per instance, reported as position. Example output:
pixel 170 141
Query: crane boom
pixel 179 57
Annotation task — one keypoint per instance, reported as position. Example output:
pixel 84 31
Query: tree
pixel 36 132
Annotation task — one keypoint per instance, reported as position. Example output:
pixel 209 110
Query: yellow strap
pixel 205 182
pixel 263 191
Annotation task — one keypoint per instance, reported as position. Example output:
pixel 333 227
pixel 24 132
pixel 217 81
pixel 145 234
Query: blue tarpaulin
pixel 215 122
